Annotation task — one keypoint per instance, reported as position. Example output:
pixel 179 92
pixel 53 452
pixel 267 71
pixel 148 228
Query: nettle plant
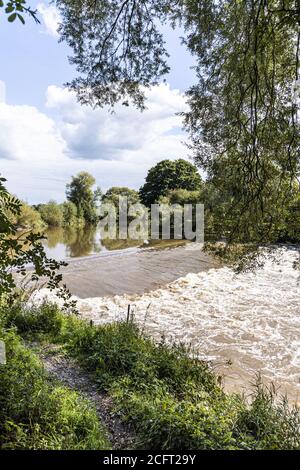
pixel 22 255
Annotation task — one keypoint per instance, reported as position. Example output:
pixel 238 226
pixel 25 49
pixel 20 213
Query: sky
pixel 46 136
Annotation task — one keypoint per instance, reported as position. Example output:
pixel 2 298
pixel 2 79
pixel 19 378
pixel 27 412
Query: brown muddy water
pixel 84 242
pixel 132 272
pixel 245 324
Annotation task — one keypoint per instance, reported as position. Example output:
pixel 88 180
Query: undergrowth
pixel 38 413
pixel 172 400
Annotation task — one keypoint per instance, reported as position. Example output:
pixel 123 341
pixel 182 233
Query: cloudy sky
pixel 46 136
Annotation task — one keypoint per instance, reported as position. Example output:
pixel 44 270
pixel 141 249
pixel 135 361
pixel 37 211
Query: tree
pixel 69 214
pixel 112 195
pixel 117 46
pixel 51 213
pixel 80 192
pixel 243 111
pixel 18 9
pixel 27 218
pixel 98 196
pixel 168 175
pixel 183 196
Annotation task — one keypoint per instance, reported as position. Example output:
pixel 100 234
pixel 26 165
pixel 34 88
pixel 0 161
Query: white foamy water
pixel 250 319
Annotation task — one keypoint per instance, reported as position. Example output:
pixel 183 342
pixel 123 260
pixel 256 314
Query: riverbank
pixel 166 398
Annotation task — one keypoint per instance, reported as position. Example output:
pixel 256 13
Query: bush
pixel 38 414
pixel 173 400
pixel 46 319
pixel 70 214
pixel 119 349
pixel 19 251
pixel 51 213
pixel 271 425
pixel 164 422
pixel 27 218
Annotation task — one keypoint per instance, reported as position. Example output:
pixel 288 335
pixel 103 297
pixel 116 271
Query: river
pixel 245 323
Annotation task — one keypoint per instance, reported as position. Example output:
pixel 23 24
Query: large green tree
pixel 243 111
pixel 112 195
pixel 167 175
pixel 80 192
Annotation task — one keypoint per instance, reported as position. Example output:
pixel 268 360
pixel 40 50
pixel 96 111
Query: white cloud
pixel 40 152
pixel 27 135
pixel 98 134
pixel 50 17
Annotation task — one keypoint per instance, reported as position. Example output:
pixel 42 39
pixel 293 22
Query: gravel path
pixel 67 371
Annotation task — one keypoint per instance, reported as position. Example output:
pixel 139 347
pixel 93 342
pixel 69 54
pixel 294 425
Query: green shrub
pixel 111 351
pixel 38 414
pixel 51 213
pixel 173 400
pixel 271 424
pixel 69 214
pixel 45 319
pixel 27 218
pixel 197 421
pixel 119 349
pixel 164 422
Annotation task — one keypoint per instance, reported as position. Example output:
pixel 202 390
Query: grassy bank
pixel 171 400
pixel 37 412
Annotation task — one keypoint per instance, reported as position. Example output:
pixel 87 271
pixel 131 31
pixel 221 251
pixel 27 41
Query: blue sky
pixel 45 136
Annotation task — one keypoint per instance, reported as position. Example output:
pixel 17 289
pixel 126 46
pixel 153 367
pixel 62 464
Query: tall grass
pixel 37 413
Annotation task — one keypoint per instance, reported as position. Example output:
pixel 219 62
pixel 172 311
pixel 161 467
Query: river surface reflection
pixel 81 242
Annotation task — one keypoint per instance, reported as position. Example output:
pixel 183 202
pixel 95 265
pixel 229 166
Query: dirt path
pixel 67 371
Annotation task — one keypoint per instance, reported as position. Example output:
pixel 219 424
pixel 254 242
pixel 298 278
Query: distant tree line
pixel 172 182
pixel 80 207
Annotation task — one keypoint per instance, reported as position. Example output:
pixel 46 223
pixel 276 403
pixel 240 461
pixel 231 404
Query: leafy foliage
pixel 243 110
pixel 167 175
pixel 184 196
pixel 69 214
pixel 38 414
pixel 27 218
pixel 17 9
pixel 117 46
pixel 51 213
pixel 80 193
pixel 244 107
pixel 172 399
pixel 31 320
pixel 23 254
pixel 112 195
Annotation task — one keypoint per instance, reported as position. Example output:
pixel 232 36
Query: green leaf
pixel 12 17
pixel 21 18
pixel 1 3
